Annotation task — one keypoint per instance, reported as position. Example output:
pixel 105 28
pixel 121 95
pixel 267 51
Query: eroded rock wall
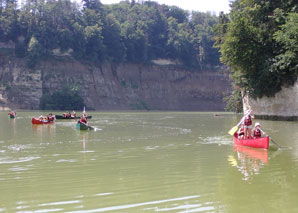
pixel 113 86
pixel 284 105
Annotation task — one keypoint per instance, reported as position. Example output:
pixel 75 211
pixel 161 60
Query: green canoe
pixel 82 126
pixel 12 116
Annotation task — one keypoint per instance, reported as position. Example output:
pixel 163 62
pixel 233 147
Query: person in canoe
pixel 43 118
pixel 241 132
pixel 84 114
pixel 13 113
pixel 257 132
pixel 67 115
pixel 50 117
pixel 74 113
pixel 83 120
pixel 248 124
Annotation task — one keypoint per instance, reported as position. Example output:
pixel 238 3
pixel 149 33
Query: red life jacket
pixel 257 133
pixel 247 120
pixel 83 120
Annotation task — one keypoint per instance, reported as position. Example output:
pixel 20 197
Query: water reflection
pixel 83 139
pixel 41 130
pixel 249 161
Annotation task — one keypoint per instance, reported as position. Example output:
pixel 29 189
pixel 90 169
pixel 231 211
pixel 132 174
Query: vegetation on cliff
pixel 258 40
pixel 123 32
pixel 68 98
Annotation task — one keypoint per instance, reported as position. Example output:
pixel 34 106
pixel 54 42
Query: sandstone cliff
pixel 113 86
pixel 283 106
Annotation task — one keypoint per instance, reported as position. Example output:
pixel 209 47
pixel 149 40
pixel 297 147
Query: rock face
pixel 113 86
pixel 283 106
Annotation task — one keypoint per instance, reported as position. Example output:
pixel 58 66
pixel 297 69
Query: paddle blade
pixel 233 130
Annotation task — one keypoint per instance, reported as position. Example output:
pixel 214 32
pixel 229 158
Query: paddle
pixel 90 127
pixel 235 128
pixel 270 138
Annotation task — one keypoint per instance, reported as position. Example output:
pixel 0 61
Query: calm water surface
pixel 138 161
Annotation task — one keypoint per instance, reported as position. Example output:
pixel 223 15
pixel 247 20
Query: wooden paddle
pixel 235 128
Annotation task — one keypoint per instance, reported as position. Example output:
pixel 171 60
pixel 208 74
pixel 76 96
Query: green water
pixel 139 161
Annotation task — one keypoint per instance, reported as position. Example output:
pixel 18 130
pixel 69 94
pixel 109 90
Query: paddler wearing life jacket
pixel 257 132
pixel 83 120
pixel 67 115
pixel 247 123
pixel 12 113
pixel 241 132
pixel 74 113
pixel 50 117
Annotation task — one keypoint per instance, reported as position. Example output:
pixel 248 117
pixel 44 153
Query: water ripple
pixel 220 140
pixel 18 169
pixel 113 208
pixel 20 160
pixel 60 203
pixel 65 160
pixel 104 194
pixel 48 210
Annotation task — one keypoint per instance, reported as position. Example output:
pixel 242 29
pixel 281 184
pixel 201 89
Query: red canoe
pixel 262 142
pixel 37 121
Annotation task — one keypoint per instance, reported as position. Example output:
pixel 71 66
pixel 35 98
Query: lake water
pixel 145 161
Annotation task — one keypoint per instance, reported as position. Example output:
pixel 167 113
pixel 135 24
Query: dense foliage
pixel 258 40
pixel 127 31
pixel 67 98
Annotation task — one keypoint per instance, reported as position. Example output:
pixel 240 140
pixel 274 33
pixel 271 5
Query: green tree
pixel 115 48
pixel 202 24
pixel 94 47
pixel 68 98
pixel 248 46
pixel 9 26
pixel 128 31
pixel 35 51
pixel 181 44
pixel 286 62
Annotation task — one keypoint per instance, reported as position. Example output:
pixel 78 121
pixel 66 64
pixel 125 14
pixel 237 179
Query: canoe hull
pixel 67 118
pixel 262 142
pixel 37 121
pixel 81 126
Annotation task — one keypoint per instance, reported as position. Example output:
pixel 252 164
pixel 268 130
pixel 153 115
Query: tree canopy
pixel 127 31
pixel 258 41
